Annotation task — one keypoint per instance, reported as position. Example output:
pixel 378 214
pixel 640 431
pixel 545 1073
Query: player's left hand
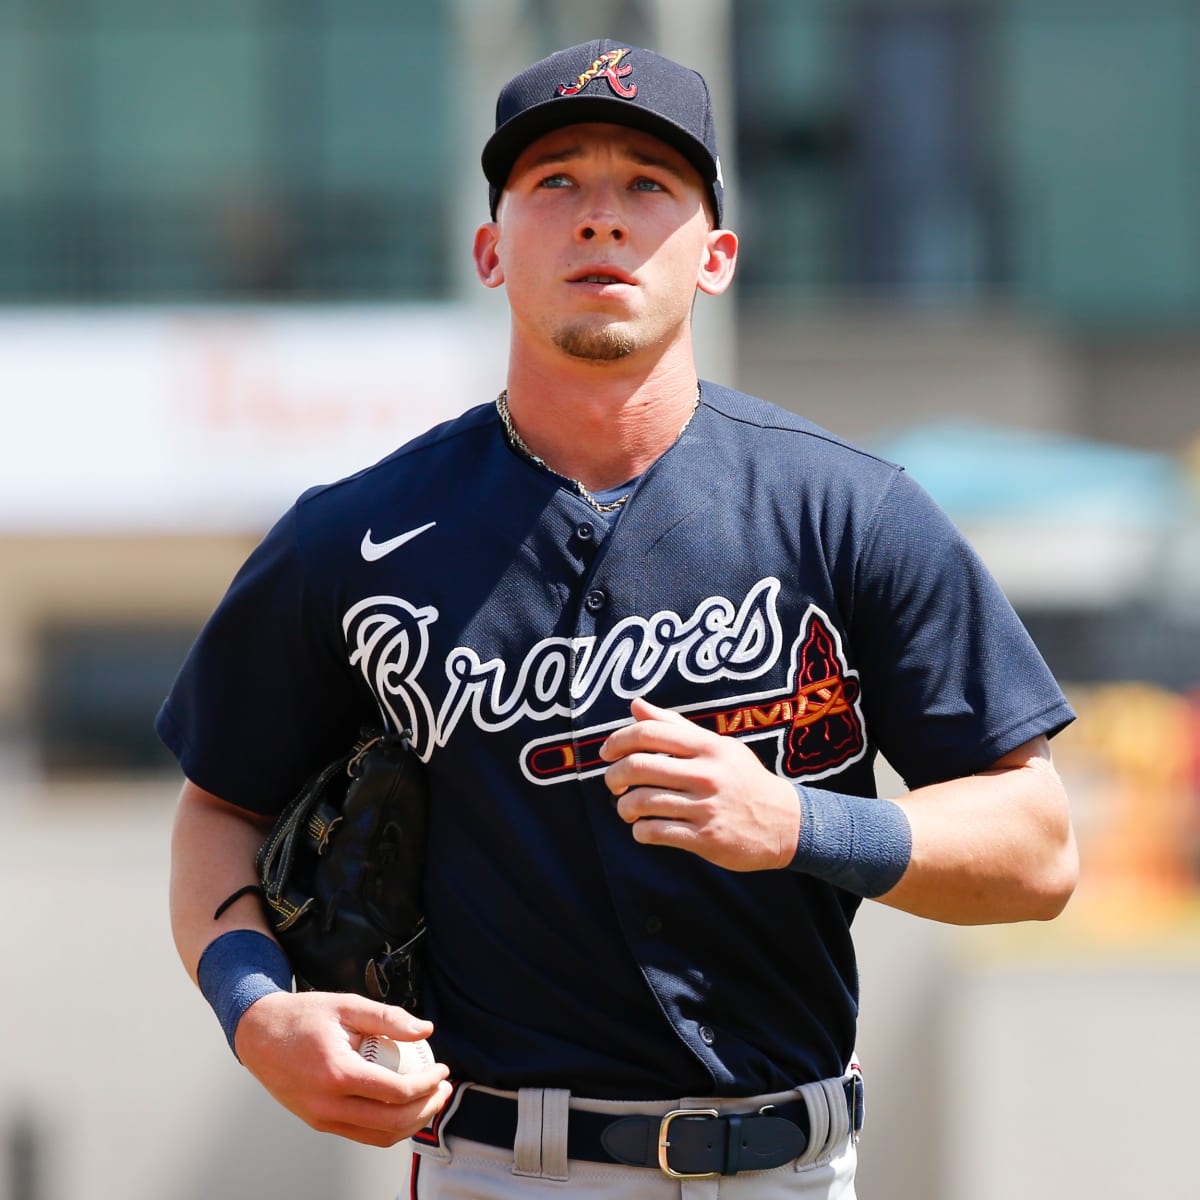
pixel 683 786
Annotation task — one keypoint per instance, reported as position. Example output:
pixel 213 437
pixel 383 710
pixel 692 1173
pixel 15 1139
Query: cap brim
pixel 506 145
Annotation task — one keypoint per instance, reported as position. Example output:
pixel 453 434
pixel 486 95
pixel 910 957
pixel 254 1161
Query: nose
pixel 590 230
pixel 601 217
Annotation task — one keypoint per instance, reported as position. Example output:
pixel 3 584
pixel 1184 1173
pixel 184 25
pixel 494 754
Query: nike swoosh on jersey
pixel 373 551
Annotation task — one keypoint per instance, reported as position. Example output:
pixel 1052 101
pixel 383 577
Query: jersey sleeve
pixel 266 696
pixel 952 681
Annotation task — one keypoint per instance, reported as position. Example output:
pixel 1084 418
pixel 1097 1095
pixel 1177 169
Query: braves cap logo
pixel 606 66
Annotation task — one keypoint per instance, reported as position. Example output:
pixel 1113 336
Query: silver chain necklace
pixel 518 442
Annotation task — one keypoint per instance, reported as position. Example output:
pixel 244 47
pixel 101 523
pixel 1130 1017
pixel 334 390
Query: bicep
pixel 1035 750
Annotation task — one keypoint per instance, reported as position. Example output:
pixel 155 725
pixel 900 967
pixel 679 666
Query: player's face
pixel 601 239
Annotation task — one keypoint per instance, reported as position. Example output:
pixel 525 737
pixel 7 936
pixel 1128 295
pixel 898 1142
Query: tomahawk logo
pixel 817 719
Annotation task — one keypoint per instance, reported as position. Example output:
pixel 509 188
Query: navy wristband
pixel 857 843
pixel 238 968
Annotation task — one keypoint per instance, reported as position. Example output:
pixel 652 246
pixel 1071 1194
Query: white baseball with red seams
pixel 401 1057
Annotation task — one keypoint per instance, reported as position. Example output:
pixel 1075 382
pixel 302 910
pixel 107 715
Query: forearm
pixel 212 855
pixel 992 847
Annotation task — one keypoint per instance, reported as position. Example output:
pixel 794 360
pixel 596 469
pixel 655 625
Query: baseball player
pixel 649 635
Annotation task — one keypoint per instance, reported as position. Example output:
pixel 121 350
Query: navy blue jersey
pixel 765 578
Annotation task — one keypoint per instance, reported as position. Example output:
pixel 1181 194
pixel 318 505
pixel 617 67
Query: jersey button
pixel 595 600
pixel 585 532
pixel 653 925
pixel 706 1035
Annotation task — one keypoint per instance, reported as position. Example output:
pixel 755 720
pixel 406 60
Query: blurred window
pixel 100 687
pixel 231 148
pixel 794 145
pixel 1132 643
pixel 920 209
pixel 862 149
pixel 1101 152
pixel 1043 152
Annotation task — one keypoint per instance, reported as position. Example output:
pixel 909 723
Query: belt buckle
pixel 664 1142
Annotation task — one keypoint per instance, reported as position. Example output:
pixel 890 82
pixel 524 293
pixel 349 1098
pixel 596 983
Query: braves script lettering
pixel 388 640
pixel 716 642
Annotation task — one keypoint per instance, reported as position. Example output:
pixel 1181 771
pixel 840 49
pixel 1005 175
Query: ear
pixel 719 261
pixel 487 255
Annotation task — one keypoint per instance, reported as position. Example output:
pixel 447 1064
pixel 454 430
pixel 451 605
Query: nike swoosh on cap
pixel 373 551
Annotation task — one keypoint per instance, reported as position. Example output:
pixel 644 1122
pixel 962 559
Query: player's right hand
pixel 302 1047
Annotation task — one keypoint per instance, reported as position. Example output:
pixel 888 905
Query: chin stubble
pixel 599 345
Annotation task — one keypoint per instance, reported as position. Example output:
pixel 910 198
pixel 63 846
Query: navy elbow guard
pixel 858 843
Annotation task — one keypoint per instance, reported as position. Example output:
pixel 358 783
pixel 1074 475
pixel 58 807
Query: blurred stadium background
pixel 234 260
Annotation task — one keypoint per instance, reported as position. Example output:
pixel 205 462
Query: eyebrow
pixel 656 160
pixel 555 156
pixel 572 153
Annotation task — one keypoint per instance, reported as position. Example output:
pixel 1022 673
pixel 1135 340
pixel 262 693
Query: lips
pixel 601 275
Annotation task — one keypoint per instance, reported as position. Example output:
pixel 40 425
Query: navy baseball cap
pixel 611 82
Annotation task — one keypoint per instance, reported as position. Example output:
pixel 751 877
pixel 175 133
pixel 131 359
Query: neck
pixel 600 430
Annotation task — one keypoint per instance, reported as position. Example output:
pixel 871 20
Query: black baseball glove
pixel 341 873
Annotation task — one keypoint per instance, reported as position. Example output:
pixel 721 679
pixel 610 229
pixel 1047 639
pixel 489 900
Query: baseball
pixel 400 1057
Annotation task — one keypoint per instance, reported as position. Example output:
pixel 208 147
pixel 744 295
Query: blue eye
pixel 647 185
pixel 555 181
